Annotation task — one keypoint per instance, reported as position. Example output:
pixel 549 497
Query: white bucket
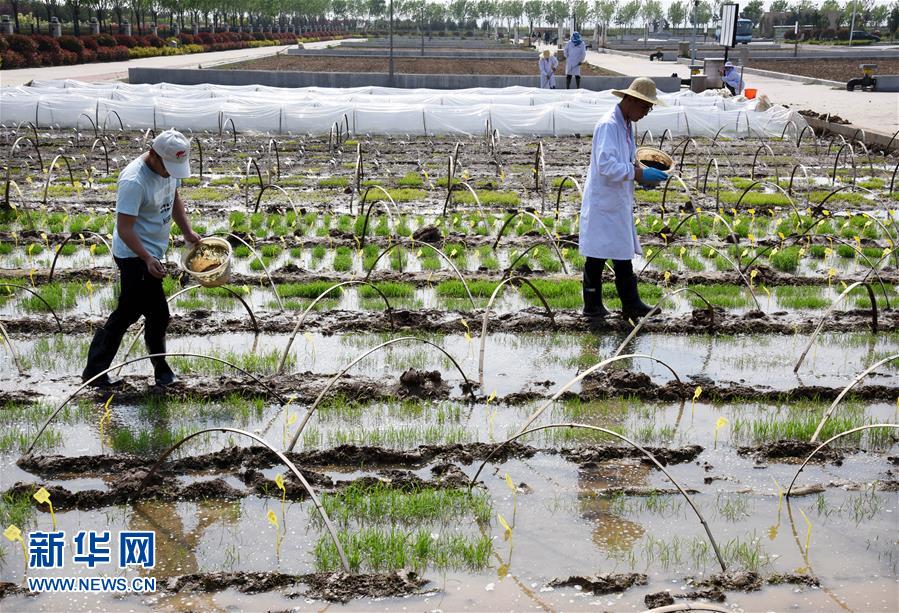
pixel 218 275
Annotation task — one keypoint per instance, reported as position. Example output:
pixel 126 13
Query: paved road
pixel 875 112
pixel 116 71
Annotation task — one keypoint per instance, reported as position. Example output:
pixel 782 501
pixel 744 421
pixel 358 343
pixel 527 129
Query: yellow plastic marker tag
pixel 291 419
pixel 279 481
pixel 13 534
pixel 272 518
pixel 510 484
pixel 722 422
pixel 492 397
pixel 697 393
pixel 43 497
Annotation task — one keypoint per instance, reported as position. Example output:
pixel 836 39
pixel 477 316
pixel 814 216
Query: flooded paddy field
pixel 398 310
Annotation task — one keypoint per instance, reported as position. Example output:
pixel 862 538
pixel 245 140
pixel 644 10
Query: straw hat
pixel 642 88
pixel 546 53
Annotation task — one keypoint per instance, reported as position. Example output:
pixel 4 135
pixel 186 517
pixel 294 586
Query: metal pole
pixel 421 25
pixel 852 23
pixel 693 44
pixel 390 60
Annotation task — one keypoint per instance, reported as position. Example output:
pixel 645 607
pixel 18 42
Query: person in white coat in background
pixel 732 79
pixel 607 229
pixel 575 54
pixel 547 65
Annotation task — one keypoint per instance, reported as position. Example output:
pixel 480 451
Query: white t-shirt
pixel 149 197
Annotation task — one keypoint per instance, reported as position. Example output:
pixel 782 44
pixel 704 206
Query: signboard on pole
pixel 728 35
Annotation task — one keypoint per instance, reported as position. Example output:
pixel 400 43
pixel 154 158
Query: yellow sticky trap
pixel 43 497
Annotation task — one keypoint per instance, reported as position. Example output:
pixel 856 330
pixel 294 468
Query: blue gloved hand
pixel 654 175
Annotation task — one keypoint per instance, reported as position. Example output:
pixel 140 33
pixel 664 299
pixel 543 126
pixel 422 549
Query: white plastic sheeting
pixel 513 111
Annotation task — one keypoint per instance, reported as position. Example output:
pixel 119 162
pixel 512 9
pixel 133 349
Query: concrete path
pixel 118 71
pixel 872 111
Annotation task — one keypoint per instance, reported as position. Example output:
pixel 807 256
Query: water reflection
pixel 612 533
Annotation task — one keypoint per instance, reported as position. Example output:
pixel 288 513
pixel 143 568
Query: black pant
pixel 577 81
pixel 732 89
pixel 141 294
pixel 593 267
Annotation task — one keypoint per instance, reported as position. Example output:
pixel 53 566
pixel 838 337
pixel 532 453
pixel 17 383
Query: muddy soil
pixel 406 65
pixel 602 584
pixel 333 587
pixel 831 69
pixel 305 388
pixel 529 319
pixel 132 470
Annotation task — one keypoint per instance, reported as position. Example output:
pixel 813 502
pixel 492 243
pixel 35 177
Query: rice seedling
pixel 148 441
pixel 801 297
pixel 720 295
pixel 59 297
pixel 488 198
pixel 334 182
pixel 343 259
pixel 382 550
pixel 391 289
pixel 364 504
pixel 786 260
pixel 733 507
pixel 410 179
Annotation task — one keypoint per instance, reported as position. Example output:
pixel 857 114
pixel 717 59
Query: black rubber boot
pixel 626 284
pixel 592 289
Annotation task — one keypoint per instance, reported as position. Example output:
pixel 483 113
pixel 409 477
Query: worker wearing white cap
pixel 731 78
pixel 607 229
pixel 147 201
pixel 547 64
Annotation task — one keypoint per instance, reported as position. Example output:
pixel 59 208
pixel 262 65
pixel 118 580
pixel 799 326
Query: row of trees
pixel 362 15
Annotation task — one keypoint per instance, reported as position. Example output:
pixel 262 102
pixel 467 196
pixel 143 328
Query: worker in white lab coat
pixel 575 54
pixel 547 65
pixel 607 229
pixel 732 80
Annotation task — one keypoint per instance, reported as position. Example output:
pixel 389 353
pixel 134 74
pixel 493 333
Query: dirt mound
pixel 793 449
pixel 591 454
pixel 741 581
pixel 426 384
pixel 343 587
pixel 602 584
pixel 248 583
pixel 428 234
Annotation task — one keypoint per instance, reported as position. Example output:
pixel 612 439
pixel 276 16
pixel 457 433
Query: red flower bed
pixel 21 51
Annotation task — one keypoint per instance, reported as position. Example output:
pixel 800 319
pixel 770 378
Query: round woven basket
pixel 650 157
pixel 218 275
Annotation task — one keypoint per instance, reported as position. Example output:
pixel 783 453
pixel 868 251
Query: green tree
pixel 753 10
pixel 677 12
pixel 893 23
pixel 651 11
pixel 627 13
pixel 779 6
pixel 604 11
